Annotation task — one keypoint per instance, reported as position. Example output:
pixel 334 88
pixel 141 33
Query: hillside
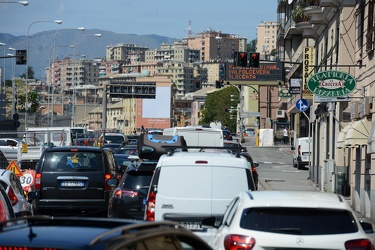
pixel 41 46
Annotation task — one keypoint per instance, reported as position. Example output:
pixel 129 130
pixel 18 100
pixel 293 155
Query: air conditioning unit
pixel 354 110
pixel 364 106
pixel 280 114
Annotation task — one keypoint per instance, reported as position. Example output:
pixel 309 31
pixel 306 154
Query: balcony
pixel 330 3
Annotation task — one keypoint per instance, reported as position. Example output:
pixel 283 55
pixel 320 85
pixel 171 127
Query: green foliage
pixel 30 73
pixel 252 46
pixel 216 105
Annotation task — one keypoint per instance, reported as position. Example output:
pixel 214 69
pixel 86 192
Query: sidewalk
pixel 287 149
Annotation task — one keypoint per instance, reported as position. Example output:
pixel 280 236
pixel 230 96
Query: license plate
pixel 194 226
pixel 72 184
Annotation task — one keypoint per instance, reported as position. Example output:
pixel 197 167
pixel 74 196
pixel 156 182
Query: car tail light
pixel 106 178
pixel 299 150
pixel 3 213
pixel 118 193
pixel 12 196
pixel 150 210
pixel 38 180
pixel 364 244
pixel 237 242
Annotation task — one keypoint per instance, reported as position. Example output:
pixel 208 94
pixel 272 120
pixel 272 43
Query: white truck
pixel 38 139
pixel 198 135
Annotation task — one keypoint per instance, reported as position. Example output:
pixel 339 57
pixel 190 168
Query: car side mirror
pixel 209 222
pixel 256 164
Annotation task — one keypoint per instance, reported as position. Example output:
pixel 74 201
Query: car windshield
pixel 73 161
pixel 299 221
pixel 134 180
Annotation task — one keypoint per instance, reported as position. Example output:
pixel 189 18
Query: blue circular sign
pixel 302 105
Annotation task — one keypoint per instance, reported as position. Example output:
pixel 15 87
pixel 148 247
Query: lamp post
pixel 27 64
pixel 74 82
pixel 24 3
pixel 240 112
pixel 13 83
pixel 53 68
pixel 3 71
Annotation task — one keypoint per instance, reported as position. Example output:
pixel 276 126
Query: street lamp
pixel 240 112
pixel 53 68
pixel 24 3
pixel 27 64
pixel 13 83
pixel 74 83
pixel 3 71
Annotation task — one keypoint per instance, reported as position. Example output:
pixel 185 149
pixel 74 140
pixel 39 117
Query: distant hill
pixel 41 46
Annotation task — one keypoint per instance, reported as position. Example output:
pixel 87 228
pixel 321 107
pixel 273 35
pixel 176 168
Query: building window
pixel 370 29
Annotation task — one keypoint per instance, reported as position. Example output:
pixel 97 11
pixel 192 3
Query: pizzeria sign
pixel 331 83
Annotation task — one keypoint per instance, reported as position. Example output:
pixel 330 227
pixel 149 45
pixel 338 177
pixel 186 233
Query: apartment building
pixel 267 39
pixel 326 38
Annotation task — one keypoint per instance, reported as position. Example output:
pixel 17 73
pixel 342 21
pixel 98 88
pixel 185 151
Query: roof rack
pixel 172 148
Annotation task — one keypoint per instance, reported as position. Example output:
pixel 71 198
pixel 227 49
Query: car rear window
pixel 134 180
pixel 115 138
pixel 298 221
pixel 73 161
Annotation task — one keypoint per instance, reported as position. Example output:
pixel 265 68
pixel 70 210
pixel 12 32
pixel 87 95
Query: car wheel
pixel 294 164
pixel 299 165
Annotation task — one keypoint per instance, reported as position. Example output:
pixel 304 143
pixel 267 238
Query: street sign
pixel 331 99
pixel 302 105
pixel 247 114
pixel 14 168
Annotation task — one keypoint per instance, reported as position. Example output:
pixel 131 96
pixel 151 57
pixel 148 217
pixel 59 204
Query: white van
pixel 189 186
pixel 301 152
pixel 198 135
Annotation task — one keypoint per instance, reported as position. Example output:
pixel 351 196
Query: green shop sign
pixel 331 83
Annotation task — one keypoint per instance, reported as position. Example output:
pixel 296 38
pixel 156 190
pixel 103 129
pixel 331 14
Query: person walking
pixel 285 132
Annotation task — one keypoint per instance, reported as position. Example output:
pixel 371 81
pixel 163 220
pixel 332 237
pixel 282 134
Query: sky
pixel 168 18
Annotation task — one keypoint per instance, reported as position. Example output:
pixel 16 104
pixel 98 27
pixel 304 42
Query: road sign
pixel 27 179
pixel 14 168
pixel 247 114
pixel 302 105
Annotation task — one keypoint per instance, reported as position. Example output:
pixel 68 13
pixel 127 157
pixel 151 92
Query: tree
pixel 217 107
pixel 252 46
pixel 30 73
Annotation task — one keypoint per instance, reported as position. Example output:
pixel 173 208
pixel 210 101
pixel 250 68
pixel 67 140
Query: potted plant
pixel 298 15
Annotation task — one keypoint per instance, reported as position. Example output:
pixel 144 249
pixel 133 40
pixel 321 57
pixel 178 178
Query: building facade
pixel 324 36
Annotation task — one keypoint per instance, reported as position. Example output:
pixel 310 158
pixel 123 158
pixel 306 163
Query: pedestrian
pixel 285 132
pixel 143 130
pixel 134 131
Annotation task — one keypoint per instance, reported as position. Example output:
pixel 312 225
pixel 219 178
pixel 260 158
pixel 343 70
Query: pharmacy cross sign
pixel 331 83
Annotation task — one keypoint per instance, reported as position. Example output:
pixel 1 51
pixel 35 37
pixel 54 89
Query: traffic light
pixel 218 84
pixel 254 60
pixel 197 84
pixel 240 59
pixel 21 57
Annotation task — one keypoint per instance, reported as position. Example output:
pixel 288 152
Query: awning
pixel 342 136
pixel 371 140
pixel 358 133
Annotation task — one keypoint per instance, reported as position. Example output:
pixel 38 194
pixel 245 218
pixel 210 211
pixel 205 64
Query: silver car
pixel 12 185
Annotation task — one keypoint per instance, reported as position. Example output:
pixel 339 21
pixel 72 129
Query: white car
pixel 12 185
pixel 289 220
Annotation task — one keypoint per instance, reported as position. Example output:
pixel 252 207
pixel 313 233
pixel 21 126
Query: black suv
pixel 74 179
pixel 125 202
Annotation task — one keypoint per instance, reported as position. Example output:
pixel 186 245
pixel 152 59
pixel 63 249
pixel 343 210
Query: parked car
pixel 74 179
pixel 45 232
pixel 12 185
pixel 125 202
pixel 289 220
pixel 253 166
pixel 6 210
pixel 189 186
pixel 227 134
pixel 301 152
